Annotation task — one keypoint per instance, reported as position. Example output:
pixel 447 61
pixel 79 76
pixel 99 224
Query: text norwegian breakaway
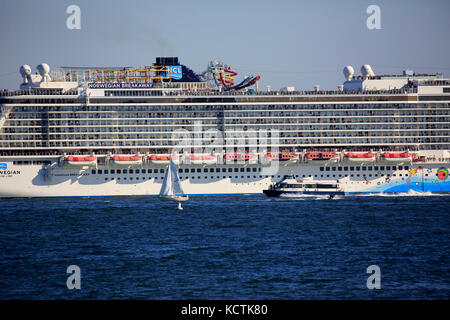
pixel 119 85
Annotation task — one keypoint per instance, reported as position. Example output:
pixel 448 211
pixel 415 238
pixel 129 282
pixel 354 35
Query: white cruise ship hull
pixel 36 181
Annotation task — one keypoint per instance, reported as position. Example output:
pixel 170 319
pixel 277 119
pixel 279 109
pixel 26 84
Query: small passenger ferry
pixel 291 187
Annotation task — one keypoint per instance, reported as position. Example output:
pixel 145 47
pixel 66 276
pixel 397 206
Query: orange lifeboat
pixel 126 160
pixel 321 157
pixel 202 159
pixel 281 156
pixel 396 157
pixel 162 159
pixel 359 157
pixel 80 161
pixel 240 157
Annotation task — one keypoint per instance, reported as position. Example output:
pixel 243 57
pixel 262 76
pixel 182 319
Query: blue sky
pixel 288 43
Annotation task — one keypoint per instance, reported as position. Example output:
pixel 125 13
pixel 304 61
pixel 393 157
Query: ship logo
pixel 3 165
pixel 442 174
pixel 175 72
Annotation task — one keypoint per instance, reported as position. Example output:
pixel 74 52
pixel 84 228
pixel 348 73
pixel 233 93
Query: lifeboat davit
pixel 202 159
pixel 163 159
pixel 126 160
pixel 396 157
pixel 281 156
pixel 359 157
pixel 321 157
pixel 80 161
pixel 240 157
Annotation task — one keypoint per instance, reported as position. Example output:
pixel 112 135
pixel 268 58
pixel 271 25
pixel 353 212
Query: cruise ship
pixel 109 131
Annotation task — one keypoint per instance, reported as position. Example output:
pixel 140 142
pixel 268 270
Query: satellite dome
pixel 366 71
pixel 348 72
pixel 43 70
pixel 25 71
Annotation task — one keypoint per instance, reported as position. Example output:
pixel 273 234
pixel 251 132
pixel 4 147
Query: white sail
pixel 171 187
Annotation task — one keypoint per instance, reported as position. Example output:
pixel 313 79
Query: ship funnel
pixel 43 70
pixel 25 71
pixel 348 72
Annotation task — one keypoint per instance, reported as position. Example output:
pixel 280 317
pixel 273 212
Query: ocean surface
pixel 226 247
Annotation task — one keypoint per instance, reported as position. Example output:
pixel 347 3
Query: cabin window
pixel 400 168
pixel 205 170
pixel 254 169
pixel 352 168
pixel 136 171
pixel 327 169
pixel 113 171
pixel 199 170
pixel 248 169
pixel 388 168
pixel 394 168
pixel 321 168
pixel 242 169
pixel 93 171
pixel 358 168
pixel 345 168
pixel 156 170
pixel 125 171
pixel 236 170
pixel 369 168
pixel 119 171
pixel 364 168
pixel 192 170
pixel 131 171
pixel 217 170
pixel 230 170
pixel 334 168
pixel 375 168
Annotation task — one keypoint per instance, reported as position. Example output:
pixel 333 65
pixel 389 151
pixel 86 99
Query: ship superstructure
pixel 111 131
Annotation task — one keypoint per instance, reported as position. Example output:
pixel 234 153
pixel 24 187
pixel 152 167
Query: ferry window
pixel 248 169
pixel 149 171
pixel 131 178
pixel 161 170
pixel 156 171
pixel 230 170
pixel 125 171
pixel 369 168
pixel 118 171
pixel 186 170
pixel 180 170
pixel 400 174
pixel 242 169
pixel 211 170
pixel 345 168
pixel 400 168
pixel 106 178
pixel 142 170
pixel 224 169
pixel 137 178
pixel 358 168
pixel 93 171
pixel 394 168
pixel 321 168
pixel 388 168
pixel 334 168
pixel 328 175
pixel 339 168
pixel 205 170
pixel 217 169
pixel 199 170
pixel 259 169
pixel 406 167
pixel 254 169
pixel 113 171
pixel 357 175
pixel 327 169
pixel 351 175
pixel 382 168
pixel 118 178
pixel 426 174
pixel 192 177
pixel 352 168
pixel 105 172
pixel 136 171
pixel 321 175
pixel 375 168
pixel 364 168
pixel 192 170
pixel 236 170
pixel 125 178
pixel 131 171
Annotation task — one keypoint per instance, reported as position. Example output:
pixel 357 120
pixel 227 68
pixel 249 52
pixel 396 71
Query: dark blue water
pixel 234 247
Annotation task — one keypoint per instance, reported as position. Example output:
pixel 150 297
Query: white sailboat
pixel 171 189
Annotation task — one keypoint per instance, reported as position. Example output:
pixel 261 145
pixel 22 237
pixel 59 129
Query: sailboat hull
pixel 174 198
